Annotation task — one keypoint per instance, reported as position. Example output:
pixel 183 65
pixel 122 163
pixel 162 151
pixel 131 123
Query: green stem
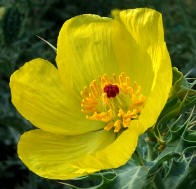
pixel 149 152
pixel 139 158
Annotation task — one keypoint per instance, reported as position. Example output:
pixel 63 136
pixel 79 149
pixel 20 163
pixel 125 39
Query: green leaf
pixel 177 81
pixel 101 180
pixel 182 98
pixel 189 102
pixel 48 43
pixel 178 136
pixel 171 109
pixel 181 86
pixel 130 176
pixel 189 181
pixel 177 173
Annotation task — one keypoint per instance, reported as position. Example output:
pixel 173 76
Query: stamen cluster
pixel 113 101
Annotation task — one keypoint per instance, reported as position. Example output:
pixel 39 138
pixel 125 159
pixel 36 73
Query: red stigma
pixel 111 90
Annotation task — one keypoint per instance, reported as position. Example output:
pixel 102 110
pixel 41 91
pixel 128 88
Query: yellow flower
pixel 112 81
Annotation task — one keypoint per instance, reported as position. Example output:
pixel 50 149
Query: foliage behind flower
pixel 77 135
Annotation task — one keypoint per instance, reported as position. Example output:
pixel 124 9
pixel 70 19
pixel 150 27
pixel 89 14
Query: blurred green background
pixel 22 20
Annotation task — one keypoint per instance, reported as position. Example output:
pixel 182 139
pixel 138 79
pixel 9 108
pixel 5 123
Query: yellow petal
pixel 160 89
pixel 51 156
pixel 114 155
pixel 84 50
pixel 144 25
pixel 38 94
pixel 140 32
pixel 132 58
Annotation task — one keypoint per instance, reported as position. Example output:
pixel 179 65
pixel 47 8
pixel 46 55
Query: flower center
pixel 113 101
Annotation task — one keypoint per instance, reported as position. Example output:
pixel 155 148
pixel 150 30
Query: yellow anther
pixel 130 89
pixel 103 116
pixel 126 122
pixel 87 105
pixel 117 126
pixel 106 78
pixel 110 113
pixel 134 86
pixel 93 91
pixel 120 113
pixel 109 126
pixel 128 114
pixel 96 87
pixel 134 99
pixel 105 81
pixel 138 102
pixel 141 100
pixel 90 111
pixel 138 90
pixel 93 117
pixel 132 114
pixel 128 82
pixel 122 78
pixel 105 99
pixel 85 92
pixel 115 78
pixel 107 116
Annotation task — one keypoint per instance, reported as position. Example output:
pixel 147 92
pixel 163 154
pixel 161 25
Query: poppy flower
pixel 112 80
